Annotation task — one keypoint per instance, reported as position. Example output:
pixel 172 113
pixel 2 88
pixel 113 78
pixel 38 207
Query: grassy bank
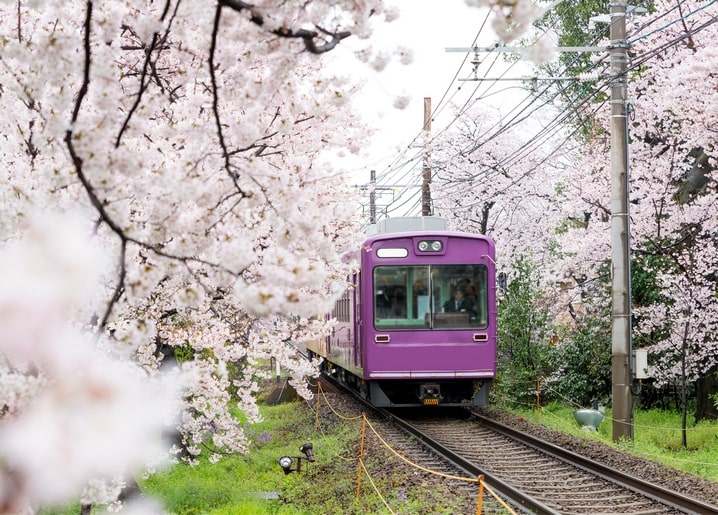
pixel 656 436
pixel 253 483
pixel 256 484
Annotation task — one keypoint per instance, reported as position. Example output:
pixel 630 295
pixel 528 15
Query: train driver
pixel 458 304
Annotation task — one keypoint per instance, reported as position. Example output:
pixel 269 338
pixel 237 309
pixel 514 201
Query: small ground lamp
pixel 286 462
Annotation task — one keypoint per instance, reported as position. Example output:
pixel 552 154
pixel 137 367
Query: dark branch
pixel 313 40
pixel 105 217
pixel 215 101
pixel 120 288
pixel 140 92
pixel 148 65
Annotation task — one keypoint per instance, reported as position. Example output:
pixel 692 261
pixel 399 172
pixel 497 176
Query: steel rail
pixel 665 496
pixel 507 491
pixel 515 497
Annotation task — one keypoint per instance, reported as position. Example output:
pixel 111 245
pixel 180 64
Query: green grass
pixel 255 483
pixel 239 484
pixel 656 436
pixel 246 484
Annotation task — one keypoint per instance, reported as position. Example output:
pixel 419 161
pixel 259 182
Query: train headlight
pixel 430 246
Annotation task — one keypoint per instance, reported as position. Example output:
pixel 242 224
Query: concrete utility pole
pixel 620 232
pixel 425 187
pixel 372 197
pixel 621 345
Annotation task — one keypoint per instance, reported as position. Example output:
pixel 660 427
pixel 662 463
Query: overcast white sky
pixel 427 27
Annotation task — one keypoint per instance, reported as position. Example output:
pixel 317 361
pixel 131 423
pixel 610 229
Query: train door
pixel 357 321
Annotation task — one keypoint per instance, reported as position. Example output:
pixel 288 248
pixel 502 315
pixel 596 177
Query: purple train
pixel 417 326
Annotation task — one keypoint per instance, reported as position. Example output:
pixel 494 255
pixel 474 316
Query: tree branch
pixel 215 102
pixel 147 65
pixel 105 217
pixel 310 37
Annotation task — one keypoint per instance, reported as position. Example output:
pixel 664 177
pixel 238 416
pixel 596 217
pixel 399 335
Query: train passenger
pixel 383 302
pixel 469 290
pixel 398 303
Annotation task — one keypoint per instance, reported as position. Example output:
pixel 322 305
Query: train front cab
pixel 420 347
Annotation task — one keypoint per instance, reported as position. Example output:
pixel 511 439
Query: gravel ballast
pixel 651 471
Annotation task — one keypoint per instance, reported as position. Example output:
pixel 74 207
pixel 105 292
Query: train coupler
pixel 430 394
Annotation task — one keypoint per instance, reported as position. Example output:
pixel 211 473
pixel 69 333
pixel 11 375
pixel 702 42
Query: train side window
pixel 342 306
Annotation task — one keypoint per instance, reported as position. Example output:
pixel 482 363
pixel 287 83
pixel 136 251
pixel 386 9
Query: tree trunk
pixel 706 388
pixel 131 490
pixel 684 414
pixel 684 386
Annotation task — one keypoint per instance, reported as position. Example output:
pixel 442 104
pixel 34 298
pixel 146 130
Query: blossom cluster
pixel 193 143
pixel 548 195
pixel 71 412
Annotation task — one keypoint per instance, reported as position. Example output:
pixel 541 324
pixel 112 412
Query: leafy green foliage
pixel 583 358
pixel 523 351
pixel 572 363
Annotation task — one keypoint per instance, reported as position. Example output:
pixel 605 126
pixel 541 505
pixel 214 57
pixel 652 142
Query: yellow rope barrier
pixel 361 455
pixel 495 496
pixel 335 411
pixel 362 467
pixel 441 474
pixel 361 463
pixel 316 411
pixel 480 500
pixel 319 429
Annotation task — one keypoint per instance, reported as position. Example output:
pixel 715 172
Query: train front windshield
pixel 431 297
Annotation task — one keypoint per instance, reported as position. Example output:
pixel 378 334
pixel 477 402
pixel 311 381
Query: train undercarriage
pixel 413 393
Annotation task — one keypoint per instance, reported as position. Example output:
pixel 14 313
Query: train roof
pixel 405 225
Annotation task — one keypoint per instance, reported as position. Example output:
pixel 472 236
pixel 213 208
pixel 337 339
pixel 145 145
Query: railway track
pixel 540 477
pixel 531 474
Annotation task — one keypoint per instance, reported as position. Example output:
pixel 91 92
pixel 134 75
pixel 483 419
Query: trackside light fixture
pixel 286 462
pixel 308 450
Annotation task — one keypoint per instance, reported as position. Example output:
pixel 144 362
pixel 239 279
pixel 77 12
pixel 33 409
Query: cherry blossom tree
pixel 194 142
pixel 672 189
pixel 672 192
pixel 498 180
pixel 512 18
